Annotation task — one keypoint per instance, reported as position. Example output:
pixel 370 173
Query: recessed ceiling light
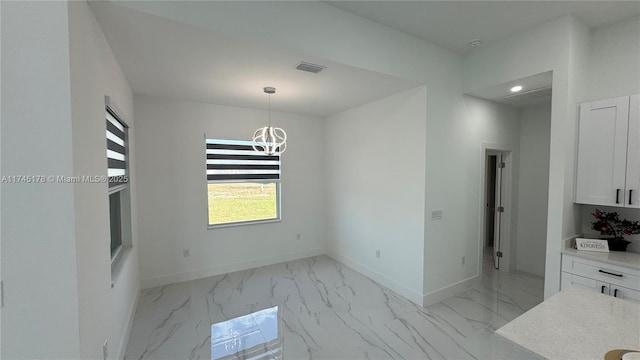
pixel 475 43
pixel 516 88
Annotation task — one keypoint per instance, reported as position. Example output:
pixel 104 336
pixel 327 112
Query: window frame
pixel 277 182
pixel 124 191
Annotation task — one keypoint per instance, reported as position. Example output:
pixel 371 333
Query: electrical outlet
pixel 105 350
pixel 378 253
pixel 298 237
pixel 463 259
pixel 186 252
pixel 436 214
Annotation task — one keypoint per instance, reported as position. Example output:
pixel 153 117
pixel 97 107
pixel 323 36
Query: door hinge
pixel 1 294
pixel 500 209
pixel 501 165
pixel 499 253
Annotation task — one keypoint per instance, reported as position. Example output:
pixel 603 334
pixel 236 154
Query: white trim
pixel 110 104
pixel 242 223
pixel 450 290
pixel 124 339
pixel 391 284
pixel 223 269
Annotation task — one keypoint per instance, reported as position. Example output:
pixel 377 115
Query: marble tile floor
pixel 325 310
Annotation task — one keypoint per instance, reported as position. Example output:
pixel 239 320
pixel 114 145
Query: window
pixel 115 219
pixel 117 172
pixel 243 185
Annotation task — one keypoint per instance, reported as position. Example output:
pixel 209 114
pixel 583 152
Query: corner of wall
pixel 124 339
pixel 227 268
pixel 450 290
pixel 380 278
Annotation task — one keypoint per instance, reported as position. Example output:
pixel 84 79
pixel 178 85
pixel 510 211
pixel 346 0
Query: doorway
pixel 496 208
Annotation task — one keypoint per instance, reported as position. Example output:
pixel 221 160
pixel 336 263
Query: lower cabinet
pixel 613 280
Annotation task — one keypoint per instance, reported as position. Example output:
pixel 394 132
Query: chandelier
pixel 270 140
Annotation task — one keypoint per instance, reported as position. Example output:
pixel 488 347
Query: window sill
pixel 242 223
pixel 118 263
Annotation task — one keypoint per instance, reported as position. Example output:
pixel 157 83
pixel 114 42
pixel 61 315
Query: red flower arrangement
pixel 609 223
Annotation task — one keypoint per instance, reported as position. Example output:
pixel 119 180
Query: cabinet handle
pixel 630 192
pixel 617 196
pixel 602 289
pixel 615 293
pixel 610 273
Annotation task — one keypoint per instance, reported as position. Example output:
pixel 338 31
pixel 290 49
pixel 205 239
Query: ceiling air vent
pixel 309 67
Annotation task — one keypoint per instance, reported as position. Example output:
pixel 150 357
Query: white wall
pixel 104 312
pixel 535 122
pixel 561 46
pixel 375 156
pixel 455 183
pixel 40 316
pixel 173 200
pixel 373 195
pixel 614 68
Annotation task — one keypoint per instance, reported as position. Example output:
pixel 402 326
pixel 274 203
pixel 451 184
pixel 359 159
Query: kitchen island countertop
pixel 576 324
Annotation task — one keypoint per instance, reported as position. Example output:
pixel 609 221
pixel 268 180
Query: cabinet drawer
pixel 615 275
pixel 568 280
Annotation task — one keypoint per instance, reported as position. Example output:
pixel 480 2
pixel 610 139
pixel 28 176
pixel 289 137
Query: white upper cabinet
pixel 608 171
pixel 632 187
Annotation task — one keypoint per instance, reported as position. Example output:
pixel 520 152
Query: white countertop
pixel 576 324
pixel 620 258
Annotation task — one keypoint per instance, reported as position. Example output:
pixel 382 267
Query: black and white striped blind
pixel 235 160
pixel 116 150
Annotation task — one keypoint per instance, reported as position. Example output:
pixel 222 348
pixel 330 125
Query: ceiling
pixel 536 90
pixel 453 24
pixel 170 59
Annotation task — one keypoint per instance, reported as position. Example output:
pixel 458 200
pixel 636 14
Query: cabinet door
pixel 603 287
pixel 602 152
pixel 632 191
pixel 624 293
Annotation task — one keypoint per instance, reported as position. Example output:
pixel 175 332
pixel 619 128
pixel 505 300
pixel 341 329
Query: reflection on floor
pixel 325 310
pixel 253 336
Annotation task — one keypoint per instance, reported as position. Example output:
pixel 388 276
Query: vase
pixel 618 244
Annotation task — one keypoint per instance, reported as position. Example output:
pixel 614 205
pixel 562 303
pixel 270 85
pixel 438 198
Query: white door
pixel 632 191
pixel 499 209
pixel 602 152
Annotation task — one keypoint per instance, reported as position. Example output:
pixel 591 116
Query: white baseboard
pixel 124 340
pixel 379 278
pixel 450 290
pixel 227 268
